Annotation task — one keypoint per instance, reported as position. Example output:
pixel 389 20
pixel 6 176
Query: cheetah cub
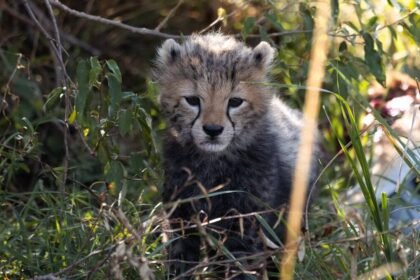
pixel 229 153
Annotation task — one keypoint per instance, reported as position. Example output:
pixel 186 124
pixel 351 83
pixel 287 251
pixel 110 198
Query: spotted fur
pixel 225 128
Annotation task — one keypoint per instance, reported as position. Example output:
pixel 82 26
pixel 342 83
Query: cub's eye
pixel 193 100
pixel 235 102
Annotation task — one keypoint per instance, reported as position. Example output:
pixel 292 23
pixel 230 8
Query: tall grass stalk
pixel 319 51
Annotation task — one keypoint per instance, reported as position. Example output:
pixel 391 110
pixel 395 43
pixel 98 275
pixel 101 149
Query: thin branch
pixel 31 8
pixel 37 23
pixel 398 20
pixel 146 31
pixel 170 14
pixel 81 261
pixel 277 34
pixel 56 49
pixel 217 20
pixel 139 30
pixel 67 105
pixel 67 37
pixel 55 27
pixel 380 28
pixel 62 76
pixel 3 102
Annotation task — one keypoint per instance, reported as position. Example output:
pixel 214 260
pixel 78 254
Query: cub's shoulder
pixel 284 117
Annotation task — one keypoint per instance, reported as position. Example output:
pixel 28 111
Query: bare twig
pixel 139 30
pixel 33 17
pixel 55 28
pixel 62 76
pixel 217 261
pixel 67 105
pixel 170 14
pixel 217 20
pixel 17 66
pixel 65 36
pixel 399 20
pixel 277 34
pixel 3 103
pixel 219 219
pixel 354 35
pixel 81 24
pixel 81 261
pixel 146 31
pixel 55 43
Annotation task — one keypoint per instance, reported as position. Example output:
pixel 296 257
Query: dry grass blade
pixel 311 109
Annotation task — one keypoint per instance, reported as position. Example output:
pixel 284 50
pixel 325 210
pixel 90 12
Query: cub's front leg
pixel 184 255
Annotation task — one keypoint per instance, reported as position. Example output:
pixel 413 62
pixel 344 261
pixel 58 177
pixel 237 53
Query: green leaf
pixel 72 117
pixel 53 99
pixel 414 28
pixel 272 235
pixel 306 17
pixel 82 78
pixel 263 33
pixel 392 31
pixel 125 121
pixel 372 23
pixel 272 18
pixel 308 21
pixel 114 86
pixel 351 25
pixel 95 70
pixel 361 172
pixel 385 210
pixel 249 24
pixel 113 67
pixel 28 125
pixel 114 172
pixel 147 118
pixel 373 59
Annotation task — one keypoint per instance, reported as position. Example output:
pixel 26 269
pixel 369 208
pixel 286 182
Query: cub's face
pixel 211 90
pixel 211 116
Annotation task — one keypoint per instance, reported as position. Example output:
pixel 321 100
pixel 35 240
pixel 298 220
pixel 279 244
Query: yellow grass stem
pixel 311 109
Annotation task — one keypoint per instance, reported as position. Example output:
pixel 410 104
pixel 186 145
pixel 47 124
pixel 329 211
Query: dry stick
pixel 307 138
pixel 170 14
pixel 67 37
pixel 216 21
pixel 139 30
pixel 146 31
pixel 67 105
pixel 56 50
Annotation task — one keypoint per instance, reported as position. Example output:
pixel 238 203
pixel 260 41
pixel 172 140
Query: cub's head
pixel 212 90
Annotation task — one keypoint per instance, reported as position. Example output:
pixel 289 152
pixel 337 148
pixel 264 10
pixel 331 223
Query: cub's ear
pixel 263 55
pixel 169 52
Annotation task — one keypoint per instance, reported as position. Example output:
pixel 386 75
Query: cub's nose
pixel 213 130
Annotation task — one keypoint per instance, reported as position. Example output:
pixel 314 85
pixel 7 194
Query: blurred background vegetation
pixel 80 132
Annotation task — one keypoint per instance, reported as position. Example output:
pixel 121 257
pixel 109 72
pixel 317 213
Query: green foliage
pixel 373 59
pixel 112 155
pixel 364 180
pixel 80 166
